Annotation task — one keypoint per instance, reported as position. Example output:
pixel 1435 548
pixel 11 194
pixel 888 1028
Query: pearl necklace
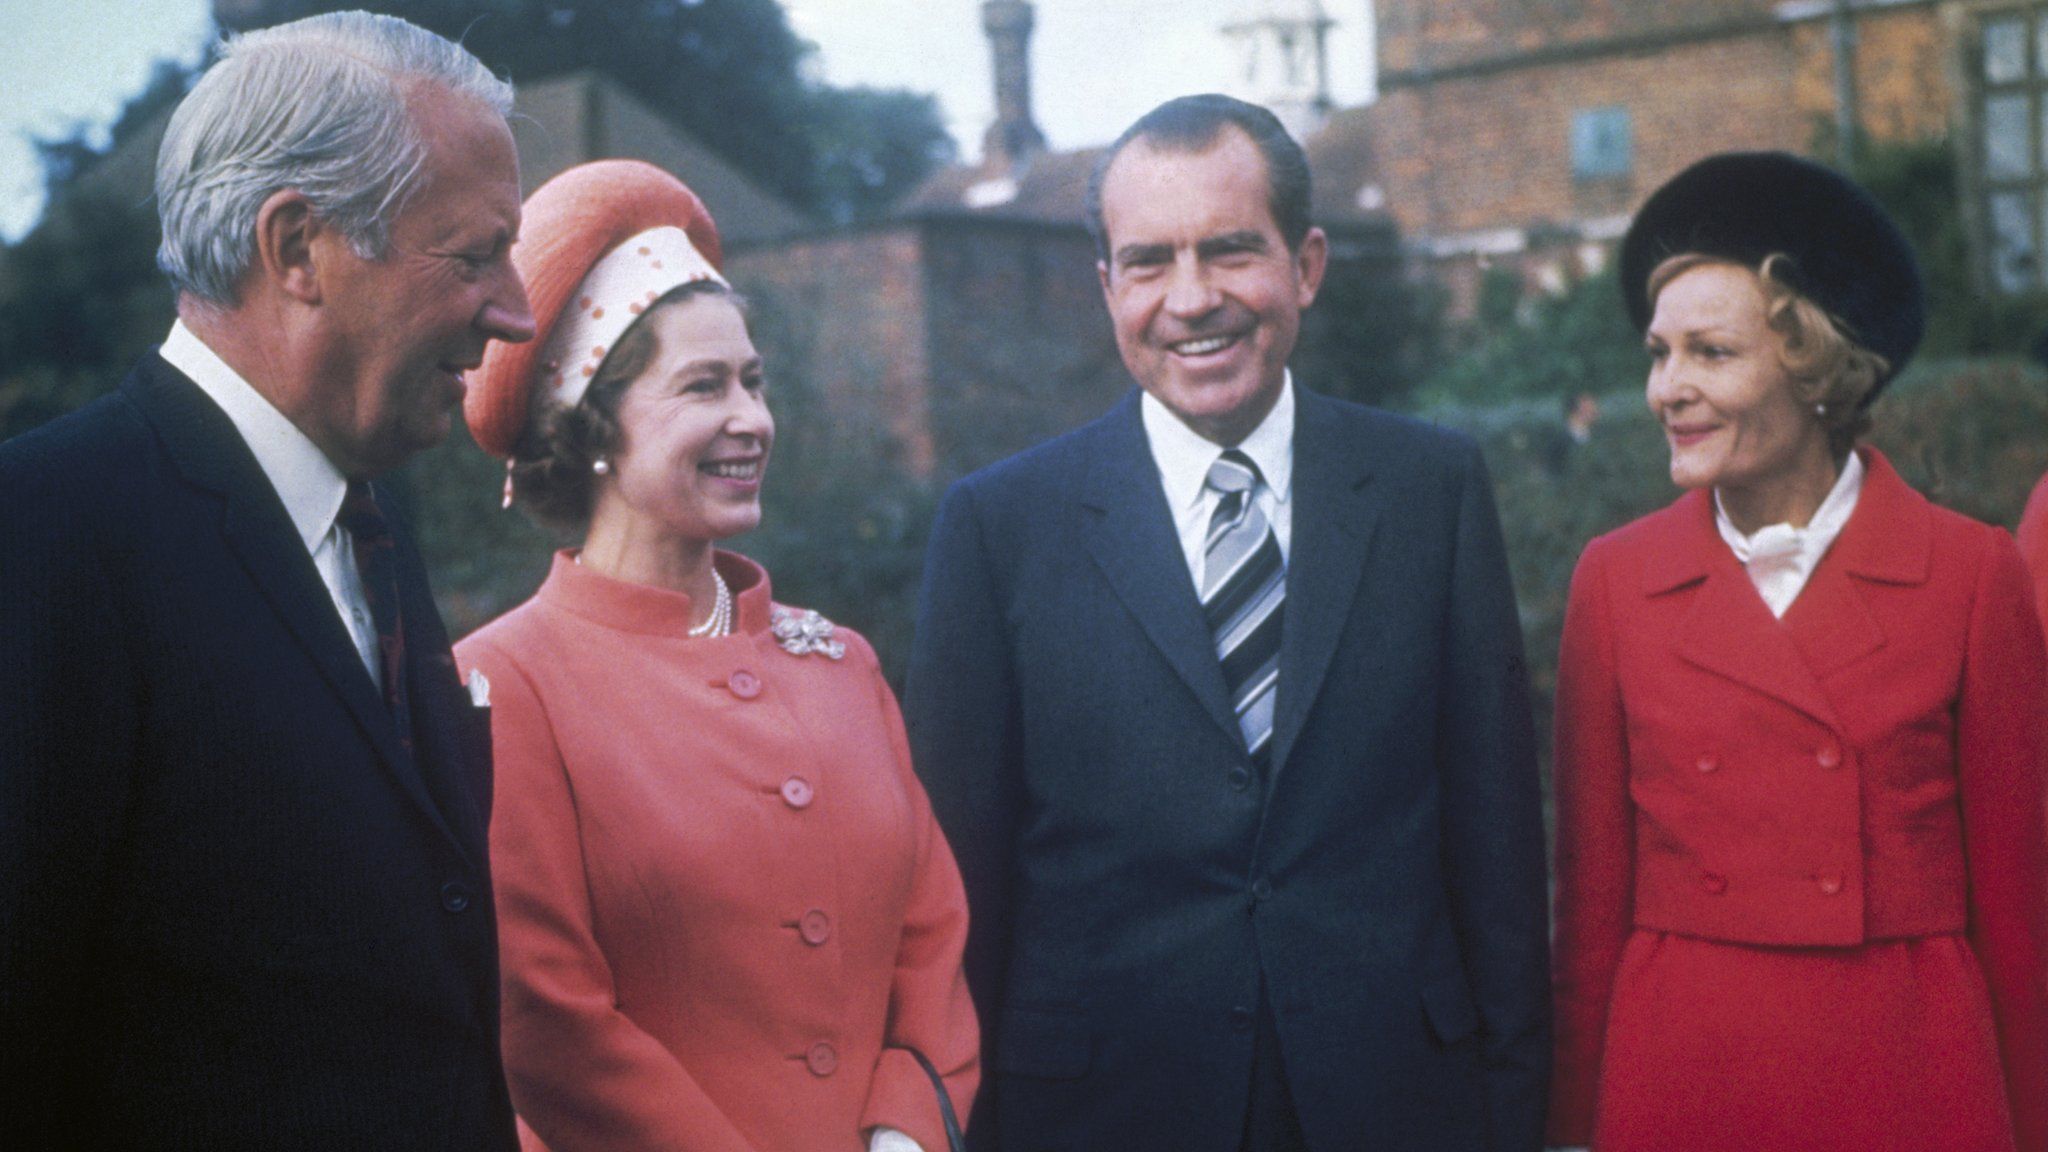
pixel 720 621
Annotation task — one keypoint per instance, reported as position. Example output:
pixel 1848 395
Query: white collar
pixel 1813 540
pixel 308 483
pixel 1184 456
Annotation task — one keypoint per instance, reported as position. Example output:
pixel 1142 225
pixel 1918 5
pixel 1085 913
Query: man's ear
pixel 1102 274
pixel 1311 260
pixel 285 258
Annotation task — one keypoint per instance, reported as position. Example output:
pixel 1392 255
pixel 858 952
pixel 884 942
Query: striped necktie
pixel 1244 581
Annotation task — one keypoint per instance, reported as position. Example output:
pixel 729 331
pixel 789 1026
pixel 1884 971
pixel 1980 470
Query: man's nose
pixel 1190 292
pixel 506 315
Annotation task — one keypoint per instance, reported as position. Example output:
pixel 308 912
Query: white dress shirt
pixel 1779 557
pixel 1184 458
pixel 308 483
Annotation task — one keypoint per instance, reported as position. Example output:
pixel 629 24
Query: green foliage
pixel 1918 183
pixel 1542 348
pixel 1371 328
pixel 729 71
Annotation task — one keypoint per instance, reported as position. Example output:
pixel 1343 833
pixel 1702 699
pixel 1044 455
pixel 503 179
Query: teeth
pixel 735 471
pixel 1202 347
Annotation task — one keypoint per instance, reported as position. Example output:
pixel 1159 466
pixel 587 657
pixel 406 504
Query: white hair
pixel 318 105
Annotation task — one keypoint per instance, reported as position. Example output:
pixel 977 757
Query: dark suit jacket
pixel 234 911
pixel 1132 884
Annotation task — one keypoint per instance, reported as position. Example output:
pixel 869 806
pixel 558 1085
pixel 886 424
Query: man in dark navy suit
pixel 244 891
pixel 1220 701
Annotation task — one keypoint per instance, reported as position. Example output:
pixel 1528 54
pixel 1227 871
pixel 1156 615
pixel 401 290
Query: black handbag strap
pixel 955 1141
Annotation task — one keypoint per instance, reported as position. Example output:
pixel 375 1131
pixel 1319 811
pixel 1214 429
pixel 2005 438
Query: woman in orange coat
pixel 728 920
pixel 1800 730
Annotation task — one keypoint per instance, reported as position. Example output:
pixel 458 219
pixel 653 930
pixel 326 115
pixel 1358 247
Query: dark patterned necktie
pixel 1244 586
pixel 377 566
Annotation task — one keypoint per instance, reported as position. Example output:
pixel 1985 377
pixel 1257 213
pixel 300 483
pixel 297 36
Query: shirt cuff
pixel 890 1140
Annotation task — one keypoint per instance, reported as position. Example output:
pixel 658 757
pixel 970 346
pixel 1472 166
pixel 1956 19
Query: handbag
pixel 955 1141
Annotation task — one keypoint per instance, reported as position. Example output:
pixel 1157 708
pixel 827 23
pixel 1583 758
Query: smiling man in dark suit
pixel 1220 701
pixel 244 892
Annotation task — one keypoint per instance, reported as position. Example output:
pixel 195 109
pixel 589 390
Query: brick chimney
pixel 1013 139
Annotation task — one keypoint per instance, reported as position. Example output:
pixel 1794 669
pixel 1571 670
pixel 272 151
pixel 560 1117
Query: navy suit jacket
pixel 1130 880
pixel 235 910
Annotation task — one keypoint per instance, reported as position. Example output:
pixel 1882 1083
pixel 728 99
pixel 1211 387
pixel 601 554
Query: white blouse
pixel 1779 557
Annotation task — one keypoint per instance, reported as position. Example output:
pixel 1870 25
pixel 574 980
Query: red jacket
pixel 1870 767
pixel 2034 544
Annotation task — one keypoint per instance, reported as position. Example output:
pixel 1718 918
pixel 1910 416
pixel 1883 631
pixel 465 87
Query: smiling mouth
pixel 732 469
pixel 1205 346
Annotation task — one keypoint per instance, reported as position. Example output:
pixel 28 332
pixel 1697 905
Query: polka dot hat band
pixel 616 290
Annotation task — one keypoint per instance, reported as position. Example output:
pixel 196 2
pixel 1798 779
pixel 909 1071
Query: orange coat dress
pixel 725 908
pixel 1802 870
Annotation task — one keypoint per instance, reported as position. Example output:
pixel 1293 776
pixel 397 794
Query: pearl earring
pixel 1820 410
pixel 601 466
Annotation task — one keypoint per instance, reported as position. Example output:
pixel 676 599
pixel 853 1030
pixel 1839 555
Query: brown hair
pixel 1827 366
pixel 552 480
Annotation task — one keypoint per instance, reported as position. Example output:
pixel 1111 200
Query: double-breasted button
pixel 1830 884
pixel 1713 883
pixel 1240 779
pixel 815 927
pixel 796 792
pixel 1828 757
pixel 1707 764
pixel 1262 889
pixel 455 896
pixel 821 1059
pixel 744 684
pixel 1240 1019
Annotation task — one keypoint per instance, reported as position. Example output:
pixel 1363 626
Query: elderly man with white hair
pixel 245 900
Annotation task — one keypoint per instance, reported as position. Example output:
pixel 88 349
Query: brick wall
pixel 847 311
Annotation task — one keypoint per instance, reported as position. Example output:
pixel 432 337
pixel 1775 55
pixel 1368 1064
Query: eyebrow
pixel 1242 240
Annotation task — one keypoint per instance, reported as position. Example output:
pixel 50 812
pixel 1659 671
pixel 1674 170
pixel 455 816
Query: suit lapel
pixel 206 449
pixel 1727 629
pixel 1128 529
pixel 1888 540
pixel 1333 520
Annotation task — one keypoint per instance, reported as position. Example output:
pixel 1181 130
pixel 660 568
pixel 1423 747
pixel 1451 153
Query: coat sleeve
pixel 583 1076
pixel 2033 536
pixel 70 705
pixel 1493 820
pixel 2001 747
pixel 961 707
pixel 1595 847
pixel 929 1006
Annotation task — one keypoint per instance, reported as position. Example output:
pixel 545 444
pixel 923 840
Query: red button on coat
pixel 1831 885
pixel 1708 764
pixel 1714 882
pixel 744 684
pixel 796 792
pixel 816 927
pixel 1828 758
pixel 822 1059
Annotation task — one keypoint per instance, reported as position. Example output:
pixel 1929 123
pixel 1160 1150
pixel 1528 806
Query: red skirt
pixel 1727 1048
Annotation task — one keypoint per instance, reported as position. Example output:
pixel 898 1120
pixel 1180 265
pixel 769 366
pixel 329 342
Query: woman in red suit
pixel 1800 728
pixel 729 922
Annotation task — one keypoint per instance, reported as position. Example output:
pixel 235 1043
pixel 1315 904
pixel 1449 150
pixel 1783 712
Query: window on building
pixel 1602 146
pixel 2012 153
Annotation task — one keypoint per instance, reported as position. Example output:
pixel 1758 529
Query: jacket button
pixel 1829 757
pixel 1713 882
pixel 816 927
pixel 1708 764
pixel 1240 779
pixel 455 896
pixel 1240 1019
pixel 1830 885
pixel 821 1059
pixel 1262 889
pixel 744 684
pixel 796 792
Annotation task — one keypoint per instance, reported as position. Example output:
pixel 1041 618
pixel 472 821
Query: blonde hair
pixel 1827 366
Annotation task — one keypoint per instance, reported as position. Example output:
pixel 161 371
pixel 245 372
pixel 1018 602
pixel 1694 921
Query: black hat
pixel 1845 253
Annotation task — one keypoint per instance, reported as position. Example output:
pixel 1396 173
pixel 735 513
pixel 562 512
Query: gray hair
pixel 319 105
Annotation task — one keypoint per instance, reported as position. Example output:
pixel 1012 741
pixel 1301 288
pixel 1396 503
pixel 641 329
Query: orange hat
pixel 571 225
